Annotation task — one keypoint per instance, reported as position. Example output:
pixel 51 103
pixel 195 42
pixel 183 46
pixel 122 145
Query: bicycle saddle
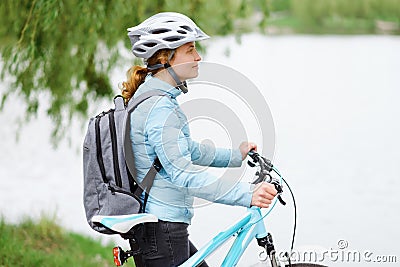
pixel 123 223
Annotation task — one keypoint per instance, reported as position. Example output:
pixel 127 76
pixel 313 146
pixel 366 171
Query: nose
pixel 197 56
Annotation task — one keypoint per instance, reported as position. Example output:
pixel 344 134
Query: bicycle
pixel 250 226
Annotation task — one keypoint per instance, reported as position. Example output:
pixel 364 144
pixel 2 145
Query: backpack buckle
pixel 157 164
pixel 112 189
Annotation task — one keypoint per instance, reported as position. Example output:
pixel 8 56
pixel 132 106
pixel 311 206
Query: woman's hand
pixel 263 195
pixel 245 147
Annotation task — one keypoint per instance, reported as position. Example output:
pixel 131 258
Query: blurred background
pixel 328 69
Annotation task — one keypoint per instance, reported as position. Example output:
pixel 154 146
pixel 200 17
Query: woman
pixel 166 41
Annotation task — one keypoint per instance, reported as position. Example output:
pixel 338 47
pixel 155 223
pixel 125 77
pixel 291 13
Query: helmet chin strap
pixel 181 85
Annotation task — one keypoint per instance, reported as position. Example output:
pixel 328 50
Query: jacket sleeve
pixel 208 155
pixel 172 146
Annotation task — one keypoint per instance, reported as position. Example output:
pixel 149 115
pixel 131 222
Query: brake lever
pixel 265 164
pixel 251 164
pixel 279 189
pixel 281 200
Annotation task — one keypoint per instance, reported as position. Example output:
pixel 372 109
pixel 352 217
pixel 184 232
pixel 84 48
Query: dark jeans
pixel 166 244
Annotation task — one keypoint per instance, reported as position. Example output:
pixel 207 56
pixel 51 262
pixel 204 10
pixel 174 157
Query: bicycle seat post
pixel 121 256
pixel 136 252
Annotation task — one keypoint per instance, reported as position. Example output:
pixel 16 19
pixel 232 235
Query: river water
pixel 334 101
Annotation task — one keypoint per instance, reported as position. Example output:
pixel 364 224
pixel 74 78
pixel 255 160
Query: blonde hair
pixel 137 74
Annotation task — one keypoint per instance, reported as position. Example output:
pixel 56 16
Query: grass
pixel 44 243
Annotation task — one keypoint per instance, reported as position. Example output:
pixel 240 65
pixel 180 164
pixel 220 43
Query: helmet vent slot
pixel 150 44
pixel 186 28
pixel 173 38
pixel 159 31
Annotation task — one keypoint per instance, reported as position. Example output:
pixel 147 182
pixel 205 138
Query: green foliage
pixel 279 5
pixel 66 48
pixel 338 16
pixel 44 243
pixel 311 11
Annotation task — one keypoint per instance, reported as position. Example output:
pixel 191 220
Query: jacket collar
pixel 152 83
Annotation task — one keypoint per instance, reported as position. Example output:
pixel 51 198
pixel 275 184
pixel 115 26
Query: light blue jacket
pixel 159 127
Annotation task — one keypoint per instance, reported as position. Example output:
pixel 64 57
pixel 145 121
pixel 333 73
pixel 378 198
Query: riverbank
pixel 334 17
pixel 44 243
pixel 286 23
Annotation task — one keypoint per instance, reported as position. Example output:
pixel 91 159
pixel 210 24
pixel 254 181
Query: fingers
pixel 252 146
pixel 245 147
pixel 262 202
pixel 267 189
pixel 263 195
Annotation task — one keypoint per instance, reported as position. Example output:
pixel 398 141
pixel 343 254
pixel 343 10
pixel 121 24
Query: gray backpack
pixel 109 172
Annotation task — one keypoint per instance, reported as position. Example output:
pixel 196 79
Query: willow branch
pixel 26 23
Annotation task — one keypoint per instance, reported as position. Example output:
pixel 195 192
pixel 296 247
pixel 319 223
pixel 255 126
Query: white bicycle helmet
pixel 164 30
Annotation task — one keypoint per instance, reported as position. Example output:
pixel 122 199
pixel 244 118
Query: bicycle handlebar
pixel 263 175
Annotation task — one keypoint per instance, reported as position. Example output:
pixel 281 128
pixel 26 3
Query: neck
pixel 166 77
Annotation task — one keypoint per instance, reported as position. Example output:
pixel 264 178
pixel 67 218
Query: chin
pixel 194 74
pixel 190 75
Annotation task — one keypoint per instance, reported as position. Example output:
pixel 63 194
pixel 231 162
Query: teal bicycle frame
pixel 249 227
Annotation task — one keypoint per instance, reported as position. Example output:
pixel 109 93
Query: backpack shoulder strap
pixel 134 102
pixel 128 151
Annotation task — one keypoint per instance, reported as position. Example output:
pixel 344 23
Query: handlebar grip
pixel 251 152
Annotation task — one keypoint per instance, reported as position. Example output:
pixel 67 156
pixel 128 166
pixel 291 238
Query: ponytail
pixel 137 74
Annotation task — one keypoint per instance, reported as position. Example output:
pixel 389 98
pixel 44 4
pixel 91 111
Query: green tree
pixel 66 48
